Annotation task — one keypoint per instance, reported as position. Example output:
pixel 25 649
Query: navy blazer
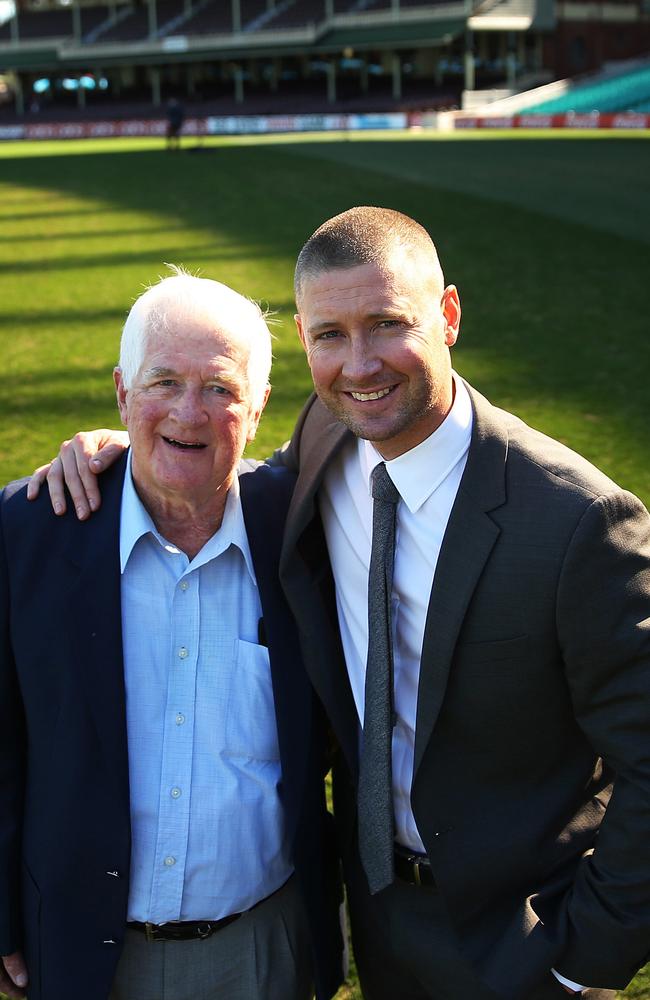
pixel 64 824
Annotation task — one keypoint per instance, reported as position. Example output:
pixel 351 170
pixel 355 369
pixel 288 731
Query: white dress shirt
pixel 208 832
pixel 427 478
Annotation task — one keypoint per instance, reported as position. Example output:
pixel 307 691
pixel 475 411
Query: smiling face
pixel 189 412
pixel 377 338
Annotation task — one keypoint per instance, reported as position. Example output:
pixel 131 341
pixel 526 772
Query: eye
pixel 327 335
pixel 218 390
pixel 166 383
pixel 387 323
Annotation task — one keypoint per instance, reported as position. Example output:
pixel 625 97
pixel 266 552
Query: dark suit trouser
pixel 405 947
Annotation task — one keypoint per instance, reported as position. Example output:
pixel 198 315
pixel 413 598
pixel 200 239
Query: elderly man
pixel 491 693
pixel 162 832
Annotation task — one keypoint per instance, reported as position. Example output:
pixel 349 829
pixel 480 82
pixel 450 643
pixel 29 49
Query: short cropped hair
pixel 364 235
pixel 157 309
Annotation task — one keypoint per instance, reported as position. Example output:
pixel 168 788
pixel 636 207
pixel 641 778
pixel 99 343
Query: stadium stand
pixel 212 18
pixel 297 14
pixel 285 56
pixel 92 18
pixel 626 92
pixel 54 23
pixel 254 14
pixel 136 25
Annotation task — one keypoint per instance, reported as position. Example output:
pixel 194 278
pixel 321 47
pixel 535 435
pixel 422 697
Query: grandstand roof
pixel 420 33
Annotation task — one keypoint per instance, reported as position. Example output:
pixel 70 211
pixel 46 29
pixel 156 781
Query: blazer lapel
pixel 323 443
pixel 265 494
pixel 470 536
pixel 308 584
pixel 95 623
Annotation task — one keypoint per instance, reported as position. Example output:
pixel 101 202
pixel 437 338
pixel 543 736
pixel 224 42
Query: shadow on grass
pixel 554 311
pixel 6 217
pixel 98 234
pixel 67 317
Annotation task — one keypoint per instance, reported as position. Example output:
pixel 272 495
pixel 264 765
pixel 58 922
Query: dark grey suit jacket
pixel 534 697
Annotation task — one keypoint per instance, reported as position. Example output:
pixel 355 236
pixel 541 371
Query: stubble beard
pixel 413 410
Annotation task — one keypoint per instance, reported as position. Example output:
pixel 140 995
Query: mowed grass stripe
pixel 545 240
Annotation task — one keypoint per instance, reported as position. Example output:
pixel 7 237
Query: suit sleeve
pixel 603 616
pixel 12 755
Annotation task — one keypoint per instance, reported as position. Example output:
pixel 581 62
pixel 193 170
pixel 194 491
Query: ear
pixel 451 312
pixel 254 419
pixel 301 331
pixel 120 391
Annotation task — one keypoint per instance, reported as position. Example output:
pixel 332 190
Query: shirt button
pixel 180 719
pixel 183 653
pixel 170 862
pixel 184 585
pixel 176 793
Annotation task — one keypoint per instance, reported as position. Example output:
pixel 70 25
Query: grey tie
pixel 375 796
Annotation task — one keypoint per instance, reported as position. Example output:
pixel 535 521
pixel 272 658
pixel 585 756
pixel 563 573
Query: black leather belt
pixel 184 930
pixel 413 868
pixel 193 930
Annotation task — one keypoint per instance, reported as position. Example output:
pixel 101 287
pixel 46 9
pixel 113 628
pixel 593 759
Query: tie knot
pixel 382 486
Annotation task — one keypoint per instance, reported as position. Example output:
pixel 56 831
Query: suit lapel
pixel 95 623
pixel 265 495
pixel 306 577
pixel 470 536
pixel 324 442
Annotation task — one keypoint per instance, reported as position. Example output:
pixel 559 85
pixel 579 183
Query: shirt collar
pixel 420 471
pixel 136 522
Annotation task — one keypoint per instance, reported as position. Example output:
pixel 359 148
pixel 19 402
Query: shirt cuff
pixel 567 982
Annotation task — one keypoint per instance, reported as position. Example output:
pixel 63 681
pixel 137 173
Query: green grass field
pixel 546 237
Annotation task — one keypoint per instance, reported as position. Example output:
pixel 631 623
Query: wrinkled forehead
pixel 187 329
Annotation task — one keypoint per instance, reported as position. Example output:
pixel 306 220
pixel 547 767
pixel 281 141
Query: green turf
pixel 547 240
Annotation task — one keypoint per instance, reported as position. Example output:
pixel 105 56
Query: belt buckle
pixel 415 865
pixel 203 932
pixel 150 931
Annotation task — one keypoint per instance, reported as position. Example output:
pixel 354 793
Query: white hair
pixel 158 309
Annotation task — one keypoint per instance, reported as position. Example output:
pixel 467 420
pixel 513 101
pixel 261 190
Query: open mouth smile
pixel 184 445
pixel 378 394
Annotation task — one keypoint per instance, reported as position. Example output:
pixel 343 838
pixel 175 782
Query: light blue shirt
pixel 208 831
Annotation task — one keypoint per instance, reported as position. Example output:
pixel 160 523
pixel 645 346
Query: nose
pixel 361 361
pixel 189 409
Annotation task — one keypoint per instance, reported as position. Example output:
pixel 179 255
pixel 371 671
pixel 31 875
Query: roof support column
pixel 153 19
pixel 511 60
pixel 329 9
pixel 274 75
pixel 76 21
pixel 19 94
pixel 190 80
pixel 235 6
pixel 364 75
pixel 238 74
pixel 154 78
pixel 331 81
pixel 470 81
pixel 397 76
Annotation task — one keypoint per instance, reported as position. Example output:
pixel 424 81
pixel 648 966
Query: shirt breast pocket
pixel 251 728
